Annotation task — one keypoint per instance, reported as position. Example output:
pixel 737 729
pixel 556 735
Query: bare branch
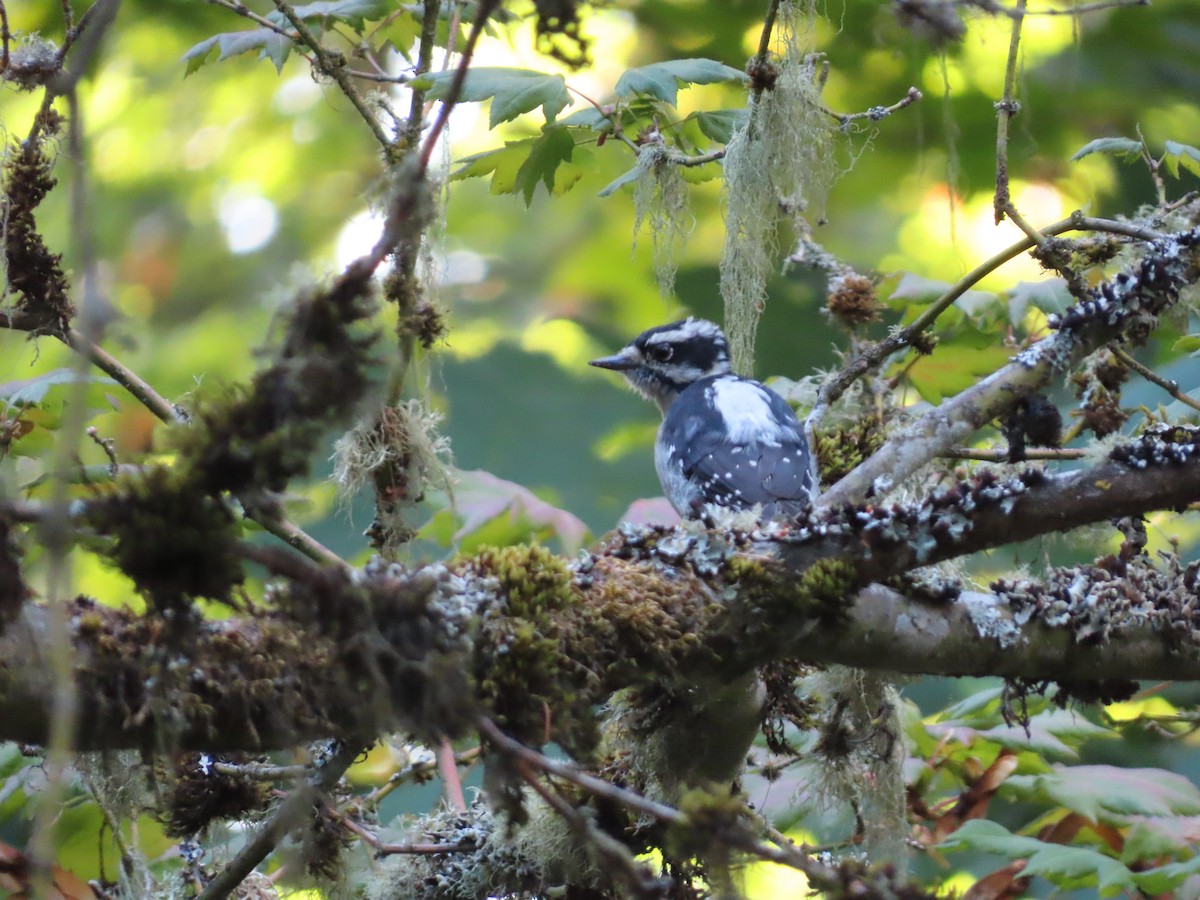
pixel 1005 110
pixel 486 8
pixel 1171 387
pixel 245 12
pixel 999 456
pixel 335 68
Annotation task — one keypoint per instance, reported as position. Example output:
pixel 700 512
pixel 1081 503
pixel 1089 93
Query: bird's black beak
pixel 627 359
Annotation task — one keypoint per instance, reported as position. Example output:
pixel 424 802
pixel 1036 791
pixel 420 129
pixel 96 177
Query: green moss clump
pixel 820 591
pixel 523 669
pixel 33 272
pixel 840 450
pixel 171 538
pixel 714 814
pixel 264 435
pixel 640 621
pixel 260 682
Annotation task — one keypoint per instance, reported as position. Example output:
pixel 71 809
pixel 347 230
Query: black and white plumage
pixel 724 440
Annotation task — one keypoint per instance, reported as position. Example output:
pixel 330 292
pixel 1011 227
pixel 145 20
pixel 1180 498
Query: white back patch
pixel 746 409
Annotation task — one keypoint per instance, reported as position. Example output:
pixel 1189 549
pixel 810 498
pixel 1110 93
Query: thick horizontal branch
pixel 511 633
pixel 980 633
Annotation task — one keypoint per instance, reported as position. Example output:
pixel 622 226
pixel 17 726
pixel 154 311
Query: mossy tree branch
pixel 511 633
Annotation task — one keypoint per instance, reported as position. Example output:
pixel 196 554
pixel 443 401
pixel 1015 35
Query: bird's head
pixel 661 362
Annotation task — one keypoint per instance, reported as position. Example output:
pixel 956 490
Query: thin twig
pixel 124 376
pixel 1171 387
pixel 242 10
pixel 382 849
pixel 621 864
pixel 1079 10
pixel 1080 222
pixel 102 12
pixel 416 112
pixel 5 37
pixel 872 357
pixel 691 161
pixel 1010 210
pixel 1000 456
pixel 447 764
pixel 290 813
pixel 381 77
pixel 337 71
pixel 1154 167
pixel 875 113
pixel 486 7
pixel 259 771
pixel 764 37
pixel 295 536
pixel 288 532
pixel 412 772
pixel 591 783
pixel 1005 110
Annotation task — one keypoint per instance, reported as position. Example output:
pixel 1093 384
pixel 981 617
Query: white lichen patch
pixel 991 619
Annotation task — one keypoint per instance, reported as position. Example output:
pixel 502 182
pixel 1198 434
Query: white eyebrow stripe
pixel 692 328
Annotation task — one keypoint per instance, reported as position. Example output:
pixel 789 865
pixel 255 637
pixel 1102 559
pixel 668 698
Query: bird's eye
pixel 660 352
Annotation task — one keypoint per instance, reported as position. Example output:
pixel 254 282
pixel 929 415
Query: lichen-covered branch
pixel 1121 309
pixel 514 633
pixel 873 356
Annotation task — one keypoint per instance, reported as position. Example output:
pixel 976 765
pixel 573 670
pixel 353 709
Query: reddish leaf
pixel 1001 884
pixel 653 511
pixel 481 497
pixel 15 879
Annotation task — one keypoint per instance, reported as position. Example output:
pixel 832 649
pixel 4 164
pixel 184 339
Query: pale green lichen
pixel 402 453
pixel 661 199
pixel 782 161
pixel 861 752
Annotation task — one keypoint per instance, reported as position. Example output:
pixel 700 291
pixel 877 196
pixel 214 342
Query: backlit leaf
pixel 720 124
pixel 512 91
pixel 662 80
pixel 1115 145
pixel 545 155
pixel 1091 790
pixel 1183 156
pixel 352 12
pixel 270 44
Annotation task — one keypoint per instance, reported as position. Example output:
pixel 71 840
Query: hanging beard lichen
pixel 661 196
pixel 781 162
pixel 403 455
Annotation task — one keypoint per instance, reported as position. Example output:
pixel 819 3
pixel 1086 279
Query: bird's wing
pixel 752 453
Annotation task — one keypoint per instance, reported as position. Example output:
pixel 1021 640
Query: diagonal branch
pixel 874 356
pixel 335 68
pixel 290 814
pixel 1114 310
